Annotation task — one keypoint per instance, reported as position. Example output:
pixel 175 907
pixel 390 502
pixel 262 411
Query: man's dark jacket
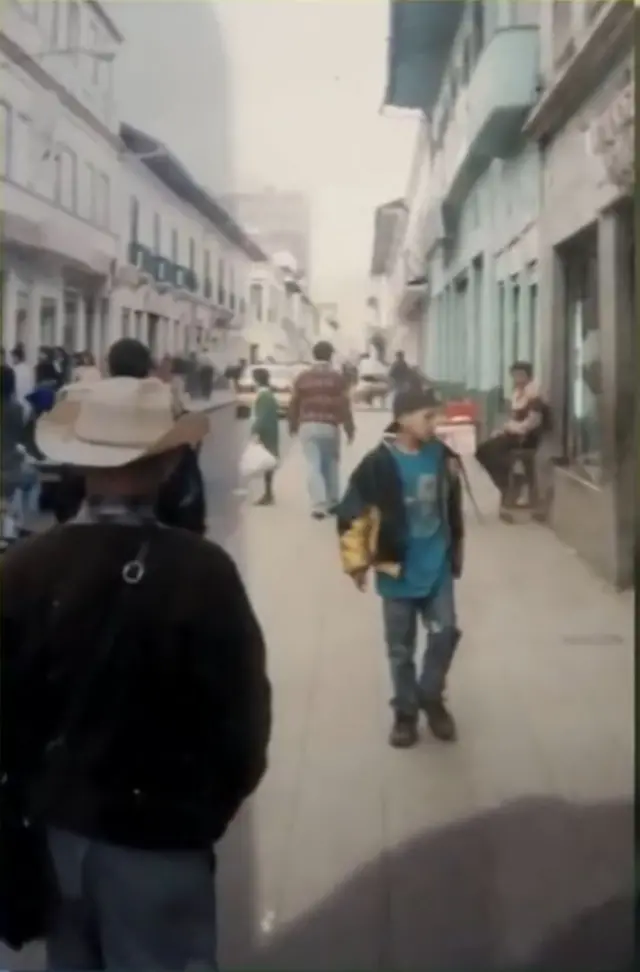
pixel 181 501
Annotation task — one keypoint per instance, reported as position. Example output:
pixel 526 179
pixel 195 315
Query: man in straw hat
pixel 140 705
pixel 181 499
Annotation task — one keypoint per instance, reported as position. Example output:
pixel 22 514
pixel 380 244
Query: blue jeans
pixel 321 447
pixel 401 632
pixel 125 909
pixel 24 499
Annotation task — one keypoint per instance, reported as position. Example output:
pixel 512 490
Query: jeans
pixel 127 910
pixel 401 632
pixel 321 448
pixel 24 498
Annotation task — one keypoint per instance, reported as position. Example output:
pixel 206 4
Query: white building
pixel 106 233
pixel 59 172
pixel 184 265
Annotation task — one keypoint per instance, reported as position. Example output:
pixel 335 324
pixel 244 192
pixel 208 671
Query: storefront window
pixel 584 361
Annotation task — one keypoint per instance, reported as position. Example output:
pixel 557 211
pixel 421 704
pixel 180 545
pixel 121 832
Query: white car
pixel 373 382
pixel 282 377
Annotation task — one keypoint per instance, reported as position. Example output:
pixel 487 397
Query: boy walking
pixel 402 515
pixel 266 427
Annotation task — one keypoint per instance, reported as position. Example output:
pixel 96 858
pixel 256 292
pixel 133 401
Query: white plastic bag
pixel 256 461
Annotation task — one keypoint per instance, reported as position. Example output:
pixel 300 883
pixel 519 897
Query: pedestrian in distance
pixel 402 516
pixel 266 427
pixel 181 498
pixel 138 705
pixel 319 409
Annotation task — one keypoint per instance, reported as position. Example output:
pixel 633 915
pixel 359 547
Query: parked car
pixel 282 378
pixel 373 382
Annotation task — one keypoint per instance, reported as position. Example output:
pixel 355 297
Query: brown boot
pixel 440 720
pixel 404 732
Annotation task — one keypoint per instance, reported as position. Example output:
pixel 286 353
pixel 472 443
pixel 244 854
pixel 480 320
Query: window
pixel 73 29
pixel 94 47
pixel 21 133
pixel 134 219
pixel 561 14
pixel 255 298
pixel 466 63
pixel 54 23
pixel 584 363
pixel 104 201
pixel 174 245
pixel 502 357
pixel 89 209
pixel 221 282
pixel 206 265
pixel 533 320
pixel 232 289
pixel 515 319
pixel 192 254
pixel 157 234
pixel 477 29
pixel 66 185
pixel 6 120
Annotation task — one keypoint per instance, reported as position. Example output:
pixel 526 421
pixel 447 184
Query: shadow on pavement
pixel 536 885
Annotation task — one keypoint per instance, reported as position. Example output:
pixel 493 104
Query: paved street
pixel 485 855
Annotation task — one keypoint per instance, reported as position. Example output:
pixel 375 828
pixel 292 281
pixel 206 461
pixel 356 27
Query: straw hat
pixel 111 423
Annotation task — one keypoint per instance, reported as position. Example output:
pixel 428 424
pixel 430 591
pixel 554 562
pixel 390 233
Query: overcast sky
pixel 296 86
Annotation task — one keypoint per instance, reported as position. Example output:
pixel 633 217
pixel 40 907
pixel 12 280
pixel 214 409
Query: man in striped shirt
pixel 319 408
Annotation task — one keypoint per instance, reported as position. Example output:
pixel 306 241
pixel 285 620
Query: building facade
pixel 184 265
pixel 524 224
pixel 105 232
pixel 59 171
pixel 584 122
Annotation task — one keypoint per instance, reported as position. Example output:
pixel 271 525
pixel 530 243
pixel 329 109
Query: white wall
pixel 64 179
pixel 39 27
pixel 156 200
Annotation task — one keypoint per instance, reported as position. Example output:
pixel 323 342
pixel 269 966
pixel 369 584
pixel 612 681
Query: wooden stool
pixel 522 481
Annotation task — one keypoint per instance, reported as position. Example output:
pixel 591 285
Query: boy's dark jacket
pixel 372 522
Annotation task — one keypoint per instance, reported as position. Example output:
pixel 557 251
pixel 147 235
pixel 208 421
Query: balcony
pixel 186 279
pixel 501 92
pixel 164 271
pixel 142 258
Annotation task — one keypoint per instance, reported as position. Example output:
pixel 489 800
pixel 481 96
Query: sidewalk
pixel 543 692
pixel 476 857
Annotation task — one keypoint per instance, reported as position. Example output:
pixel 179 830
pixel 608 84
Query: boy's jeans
pixel 401 631
pixel 321 447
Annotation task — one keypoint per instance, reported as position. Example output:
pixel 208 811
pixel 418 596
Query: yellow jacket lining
pixel 359 543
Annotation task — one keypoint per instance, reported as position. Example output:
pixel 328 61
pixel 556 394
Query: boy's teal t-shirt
pixel 427 561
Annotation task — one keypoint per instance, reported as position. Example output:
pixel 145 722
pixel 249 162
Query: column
pixel 33 321
pixel 442 343
pixel 509 334
pixel 9 310
pixel 114 320
pixel 60 316
pixel 471 332
pixel 489 351
pixel 80 336
pixel 525 349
